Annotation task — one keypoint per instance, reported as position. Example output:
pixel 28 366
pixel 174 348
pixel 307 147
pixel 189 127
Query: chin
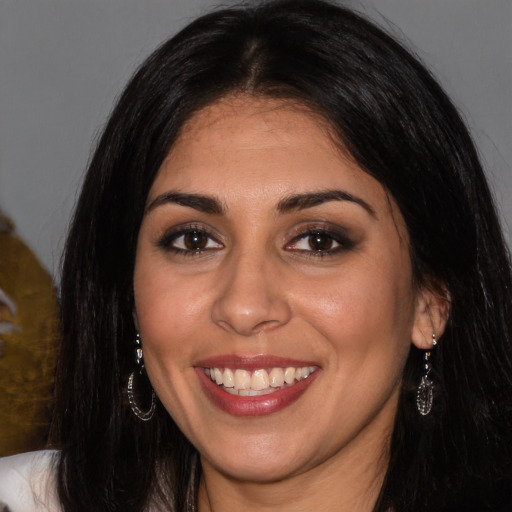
pixel 260 471
pixel 264 459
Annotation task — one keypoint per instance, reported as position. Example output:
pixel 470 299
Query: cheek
pixel 366 312
pixel 171 310
pixel 168 318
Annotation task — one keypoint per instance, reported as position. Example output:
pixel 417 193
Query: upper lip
pixel 252 362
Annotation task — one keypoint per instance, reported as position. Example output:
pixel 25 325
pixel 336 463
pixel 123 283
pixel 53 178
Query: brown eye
pixel 320 242
pixel 195 240
pixel 189 241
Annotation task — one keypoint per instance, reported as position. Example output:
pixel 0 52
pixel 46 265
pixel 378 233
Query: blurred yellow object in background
pixel 28 344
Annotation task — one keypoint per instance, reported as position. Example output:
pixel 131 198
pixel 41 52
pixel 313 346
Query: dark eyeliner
pixel 338 235
pixel 165 242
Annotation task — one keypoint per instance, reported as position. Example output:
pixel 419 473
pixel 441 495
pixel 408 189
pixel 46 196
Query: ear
pixel 431 314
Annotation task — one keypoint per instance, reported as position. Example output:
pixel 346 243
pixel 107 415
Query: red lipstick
pixel 253 405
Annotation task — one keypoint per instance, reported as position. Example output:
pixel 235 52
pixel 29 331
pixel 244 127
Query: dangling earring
pixel 425 393
pixel 139 374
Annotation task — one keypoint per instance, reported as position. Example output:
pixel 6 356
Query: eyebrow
pixel 309 200
pixel 295 202
pixel 202 203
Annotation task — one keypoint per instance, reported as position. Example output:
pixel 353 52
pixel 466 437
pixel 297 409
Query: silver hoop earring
pixel 425 392
pixel 138 374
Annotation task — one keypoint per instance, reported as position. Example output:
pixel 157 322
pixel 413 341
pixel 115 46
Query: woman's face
pixel 270 263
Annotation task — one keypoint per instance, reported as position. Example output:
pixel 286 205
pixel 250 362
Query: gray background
pixel 64 62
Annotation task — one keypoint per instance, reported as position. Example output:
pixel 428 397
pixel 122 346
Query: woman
pixel 285 285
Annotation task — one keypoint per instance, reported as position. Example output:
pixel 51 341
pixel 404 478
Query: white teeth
pixel 242 379
pixel 304 373
pixel 228 378
pixel 276 377
pixel 218 376
pixel 289 375
pixel 252 392
pixel 260 382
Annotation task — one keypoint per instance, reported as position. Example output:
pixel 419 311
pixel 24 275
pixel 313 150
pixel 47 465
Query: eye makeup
pixel 314 239
pixel 189 240
pixel 320 240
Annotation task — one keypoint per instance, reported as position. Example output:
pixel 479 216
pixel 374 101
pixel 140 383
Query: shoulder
pixel 27 482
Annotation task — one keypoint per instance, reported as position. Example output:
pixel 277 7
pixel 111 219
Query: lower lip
pixel 253 405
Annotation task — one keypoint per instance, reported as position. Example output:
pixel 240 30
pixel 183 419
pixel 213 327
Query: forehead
pixel 260 148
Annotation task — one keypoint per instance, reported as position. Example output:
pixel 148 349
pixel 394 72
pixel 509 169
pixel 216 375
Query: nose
pixel 251 297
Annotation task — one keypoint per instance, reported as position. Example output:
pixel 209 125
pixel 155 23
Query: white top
pixel 27 483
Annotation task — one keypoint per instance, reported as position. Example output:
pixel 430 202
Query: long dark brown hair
pixel 401 128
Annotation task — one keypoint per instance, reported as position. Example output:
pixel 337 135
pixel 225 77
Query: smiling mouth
pixel 242 382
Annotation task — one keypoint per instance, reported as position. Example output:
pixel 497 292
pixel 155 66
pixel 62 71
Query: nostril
pixel 247 328
pixel 266 325
pixel 248 323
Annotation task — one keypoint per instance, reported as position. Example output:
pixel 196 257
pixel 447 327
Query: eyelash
pixel 167 241
pixel 337 236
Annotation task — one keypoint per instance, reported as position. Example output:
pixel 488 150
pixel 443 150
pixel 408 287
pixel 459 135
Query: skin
pixel 259 288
